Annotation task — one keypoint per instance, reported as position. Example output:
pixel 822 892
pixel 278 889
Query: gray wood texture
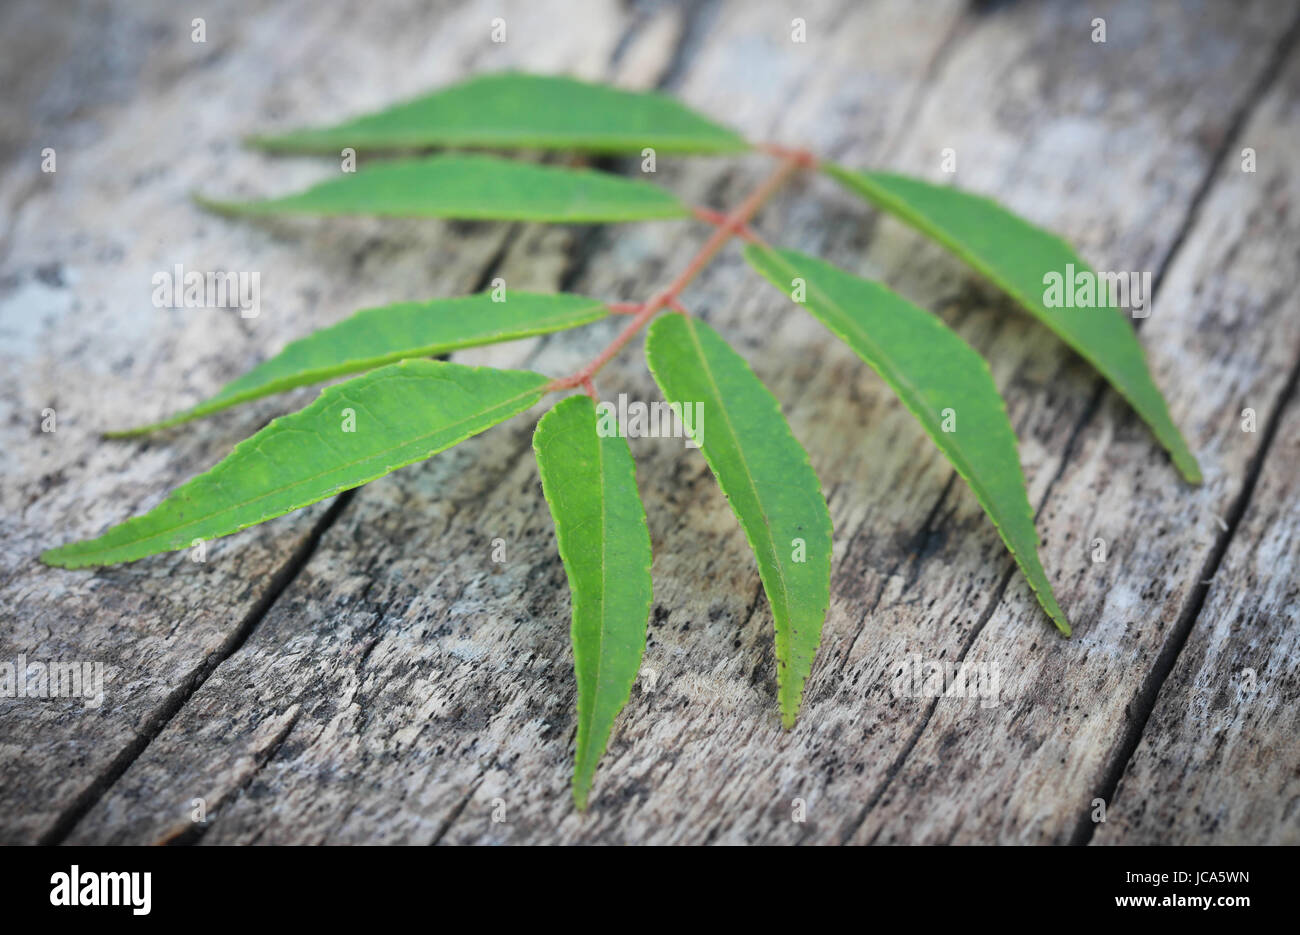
pixel 362 671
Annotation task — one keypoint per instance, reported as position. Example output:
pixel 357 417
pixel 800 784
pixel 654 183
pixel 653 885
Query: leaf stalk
pixel 727 226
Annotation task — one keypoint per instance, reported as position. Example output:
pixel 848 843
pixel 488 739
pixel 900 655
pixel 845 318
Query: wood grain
pixel 1218 761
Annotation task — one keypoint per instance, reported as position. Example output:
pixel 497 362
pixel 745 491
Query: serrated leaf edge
pixel 789 712
pixel 582 790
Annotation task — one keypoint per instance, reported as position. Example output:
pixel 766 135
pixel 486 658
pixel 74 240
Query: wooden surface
pixel 361 671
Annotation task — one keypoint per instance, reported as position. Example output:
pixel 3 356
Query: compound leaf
pixel 353 433
pixel 377 336
pixel 589 480
pixel 514 110
pixel 475 188
pixel 1017 256
pixel 941 380
pixel 767 478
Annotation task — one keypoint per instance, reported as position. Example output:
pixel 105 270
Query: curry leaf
pixel 515 110
pixel 941 380
pixel 589 480
pixel 377 336
pixel 1017 256
pixel 353 433
pixel 473 188
pixel 767 478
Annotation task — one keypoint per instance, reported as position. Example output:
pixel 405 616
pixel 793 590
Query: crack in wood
pixel 1140 710
pixel 67 820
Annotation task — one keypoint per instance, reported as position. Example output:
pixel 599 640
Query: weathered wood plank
pixel 404 685
pixel 483 713
pixel 1219 761
pixel 161 116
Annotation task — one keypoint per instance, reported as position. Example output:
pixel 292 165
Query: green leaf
pixel 377 336
pixel 532 111
pixel 399 414
pixel 767 478
pixel 1016 256
pixel 932 370
pixel 475 188
pixel 590 483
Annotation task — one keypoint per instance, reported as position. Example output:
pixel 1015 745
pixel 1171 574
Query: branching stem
pixel 726 226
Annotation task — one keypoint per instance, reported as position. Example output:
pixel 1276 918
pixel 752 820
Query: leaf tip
pixel 264 142
pixel 791 699
pixel 54 558
pixel 581 788
pixel 225 208
pixel 1190 470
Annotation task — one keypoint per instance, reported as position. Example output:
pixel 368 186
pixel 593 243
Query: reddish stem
pixel 728 227
pixel 805 159
pixel 718 218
